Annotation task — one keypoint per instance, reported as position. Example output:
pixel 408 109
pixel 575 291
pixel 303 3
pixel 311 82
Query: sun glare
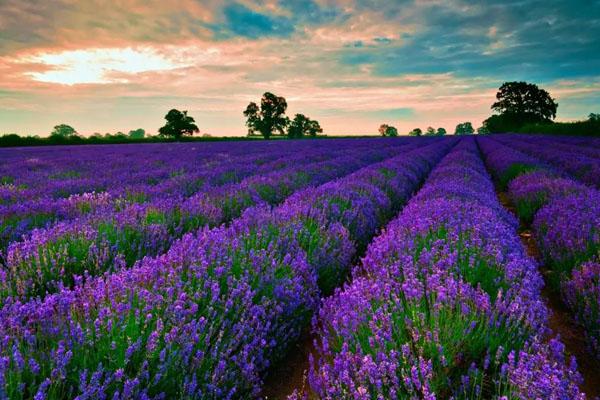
pixel 99 66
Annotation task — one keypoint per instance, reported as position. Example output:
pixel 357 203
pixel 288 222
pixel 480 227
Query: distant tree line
pixel 519 106
pixel 465 128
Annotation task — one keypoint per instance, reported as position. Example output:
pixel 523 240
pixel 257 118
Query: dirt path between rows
pixel 561 320
pixel 290 373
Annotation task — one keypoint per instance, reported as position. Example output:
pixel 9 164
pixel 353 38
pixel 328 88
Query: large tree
pixel 466 128
pixel 178 124
pixel 441 132
pixel 63 130
pixel 430 131
pixel 388 130
pixel 520 103
pixel 302 126
pixel 269 118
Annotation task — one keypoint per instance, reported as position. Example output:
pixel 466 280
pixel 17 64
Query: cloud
pixel 528 40
pixel 241 20
pixel 351 64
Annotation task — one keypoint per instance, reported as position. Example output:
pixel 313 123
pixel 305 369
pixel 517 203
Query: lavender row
pixel 445 304
pixel 589 147
pixel 565 216
pixel 208 318
pixel 48 259
pixel 584 168
pixel 62 196
pixel 57 195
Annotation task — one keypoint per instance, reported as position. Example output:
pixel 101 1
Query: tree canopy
pixel 178 124
pixel 269 117
pixel 519 104
pixel 465 128
pixel 483 130
pixel 302 126
pixel 388 130
pixel 441 132
pixel 63 130
pixel 137 133
pixel 525 100
pixel 416 132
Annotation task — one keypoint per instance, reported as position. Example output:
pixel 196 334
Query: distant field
pixel 367 268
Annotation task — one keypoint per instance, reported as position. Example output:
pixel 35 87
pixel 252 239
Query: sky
pixel 108 66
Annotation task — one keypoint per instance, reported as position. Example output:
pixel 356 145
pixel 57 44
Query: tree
pixel 302 126
pixel 137 133
pixel 441 132
pixel 521 103
pixel 483 130
pixel 430 131
pixel 466 128
pixel 416 132
pixel 314 128
pixel 269 118
pixel 178 124
pixel 594 117
pixel 63 130
pixel 388 130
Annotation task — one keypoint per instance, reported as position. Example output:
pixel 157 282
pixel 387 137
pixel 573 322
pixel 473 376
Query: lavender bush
pixel 582 294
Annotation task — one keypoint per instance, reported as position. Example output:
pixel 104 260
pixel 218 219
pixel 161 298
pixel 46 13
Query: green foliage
pixel 520 104
pixel 512 172
pixel 483 130
pixel 13 140
pixel 388 130
pixel 178 124
pixel 269 118
pixel 67 174
pixel 64 131
pixel 302 126
pixel 526 102
pixel 431 131
pixel 6 180
pixel 137 133
pixel 526 208
pixel 590 127
pixel 465 128
pixel 416 132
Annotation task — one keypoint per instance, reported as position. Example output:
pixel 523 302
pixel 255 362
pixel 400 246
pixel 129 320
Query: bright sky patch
pixel 99 66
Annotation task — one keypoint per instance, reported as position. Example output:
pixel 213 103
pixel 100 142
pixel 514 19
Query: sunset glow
pixel 97 65
pixel 352 65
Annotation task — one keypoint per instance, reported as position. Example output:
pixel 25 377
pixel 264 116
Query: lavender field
pixel 455 267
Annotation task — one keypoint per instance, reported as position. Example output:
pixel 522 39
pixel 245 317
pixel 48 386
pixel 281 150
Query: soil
pixel 561 320
pixel 290 374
